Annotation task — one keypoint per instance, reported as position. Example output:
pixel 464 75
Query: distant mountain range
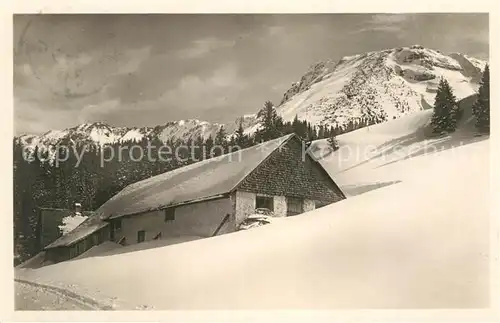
pixel 379 85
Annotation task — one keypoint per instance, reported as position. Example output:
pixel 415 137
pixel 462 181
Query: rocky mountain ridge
pixel 375 86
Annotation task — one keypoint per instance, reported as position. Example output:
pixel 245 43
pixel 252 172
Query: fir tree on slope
pixel 241 138
pixel 446 113
pixel 481 108
pixel 271 122
pixel 332 141
pixel 220 136
pixel 209 144
pixel 220 142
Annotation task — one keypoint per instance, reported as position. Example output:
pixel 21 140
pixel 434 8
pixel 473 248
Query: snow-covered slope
pixel 421 240
pixel 377 86
pixel 360 163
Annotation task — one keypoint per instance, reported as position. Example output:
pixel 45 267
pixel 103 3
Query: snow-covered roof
pixel 210 178
pixel 87 227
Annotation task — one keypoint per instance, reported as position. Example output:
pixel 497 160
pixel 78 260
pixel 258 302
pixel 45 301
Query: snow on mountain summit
pixel 101 134
pixel 187 129
pixel 377 86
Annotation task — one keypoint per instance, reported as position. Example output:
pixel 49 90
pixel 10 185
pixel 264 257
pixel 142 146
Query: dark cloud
pixel 149 69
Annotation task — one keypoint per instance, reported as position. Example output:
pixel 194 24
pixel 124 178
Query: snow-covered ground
pixel 370 156
pixel 420 240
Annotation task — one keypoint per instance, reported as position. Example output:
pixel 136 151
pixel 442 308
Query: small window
pixel 72 252
pixel 118 224
pixel 141 236
pixel 100 236
pixel 294 206
pixel 79 248
pixel 264 202
pixel 169 214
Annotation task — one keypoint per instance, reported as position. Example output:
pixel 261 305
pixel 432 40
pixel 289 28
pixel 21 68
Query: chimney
pixel 78 209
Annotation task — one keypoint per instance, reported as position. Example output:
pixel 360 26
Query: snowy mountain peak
pixel 193 122
pixel 376 86
pixel 85 127
pixel 100 133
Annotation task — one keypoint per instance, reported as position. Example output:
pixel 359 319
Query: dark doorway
pixel 141 236
pixel 294 206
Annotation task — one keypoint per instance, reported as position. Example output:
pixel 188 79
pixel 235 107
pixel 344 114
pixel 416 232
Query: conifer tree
pixel 231 144
pixel 220 142
pixel 321 132
pixel 446 112
pixel 287 128
pixel 271 122
pixel 297 127
pixel 198 148
pixel 220 136
pixel 209 144
pixel 241 138
pixel 332 142
pixel 481 108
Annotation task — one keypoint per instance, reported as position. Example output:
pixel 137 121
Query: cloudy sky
pixel 145 70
